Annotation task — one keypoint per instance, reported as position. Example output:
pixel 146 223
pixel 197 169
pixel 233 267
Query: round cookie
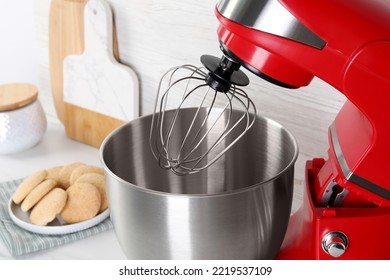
pixel 37 193
pixel 28 185
pixel 81 170
pixel 54 172
pixel 48 207
pixel 83 203
pixel 98 181
pixel 65 172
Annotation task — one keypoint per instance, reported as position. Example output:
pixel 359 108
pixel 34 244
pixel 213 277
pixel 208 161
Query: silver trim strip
pixel 348 174
pixel 271 17
pixel 339 154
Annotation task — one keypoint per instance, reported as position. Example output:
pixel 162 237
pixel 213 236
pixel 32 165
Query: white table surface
pixel 57 149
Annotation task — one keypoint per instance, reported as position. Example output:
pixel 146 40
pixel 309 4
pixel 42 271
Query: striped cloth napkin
pixel 20 242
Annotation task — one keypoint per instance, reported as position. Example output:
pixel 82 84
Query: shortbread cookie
pixel 54 172
pixel 98 181
pixel 81 170
pixel 48 207
pixel 66 171
pixel 37 193
pixel 28 185
pixel 83 203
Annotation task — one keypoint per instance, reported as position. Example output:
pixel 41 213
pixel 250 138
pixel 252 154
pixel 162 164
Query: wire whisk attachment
pixel 187 141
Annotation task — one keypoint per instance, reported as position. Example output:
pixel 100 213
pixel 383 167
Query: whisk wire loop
pixel 191 144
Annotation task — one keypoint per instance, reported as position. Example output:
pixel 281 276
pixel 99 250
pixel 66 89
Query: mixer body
pixel 346 44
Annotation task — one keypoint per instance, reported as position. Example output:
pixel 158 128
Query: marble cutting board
pixel 99 92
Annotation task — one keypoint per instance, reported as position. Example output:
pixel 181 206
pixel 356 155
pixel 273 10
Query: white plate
pixel 55 227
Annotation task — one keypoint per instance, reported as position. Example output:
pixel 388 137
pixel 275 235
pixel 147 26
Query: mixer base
pixel 366 229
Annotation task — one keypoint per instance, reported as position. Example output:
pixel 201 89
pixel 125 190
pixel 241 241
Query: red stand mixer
pixel 346 207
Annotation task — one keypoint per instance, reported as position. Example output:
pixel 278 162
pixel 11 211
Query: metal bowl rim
pixel 231 192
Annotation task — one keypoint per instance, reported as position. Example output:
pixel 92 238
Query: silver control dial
pixel 335 243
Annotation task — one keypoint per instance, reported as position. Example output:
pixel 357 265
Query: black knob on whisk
pixel 224 73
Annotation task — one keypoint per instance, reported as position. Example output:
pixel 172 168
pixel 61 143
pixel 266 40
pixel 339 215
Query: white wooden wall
pixel 155 35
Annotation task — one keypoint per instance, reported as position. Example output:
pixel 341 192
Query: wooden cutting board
pixel 66 36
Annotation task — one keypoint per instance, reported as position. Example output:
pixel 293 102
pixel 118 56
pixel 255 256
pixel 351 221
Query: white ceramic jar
pixel 22 119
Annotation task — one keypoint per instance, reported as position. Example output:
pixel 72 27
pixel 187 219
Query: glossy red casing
pixel 367 228
pixel 356 61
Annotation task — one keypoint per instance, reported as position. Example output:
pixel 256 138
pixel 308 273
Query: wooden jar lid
pixel 15 96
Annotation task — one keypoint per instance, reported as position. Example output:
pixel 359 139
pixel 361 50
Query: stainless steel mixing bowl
pixel 238 208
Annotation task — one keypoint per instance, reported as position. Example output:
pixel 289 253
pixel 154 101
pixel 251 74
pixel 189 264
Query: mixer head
pixel 191 145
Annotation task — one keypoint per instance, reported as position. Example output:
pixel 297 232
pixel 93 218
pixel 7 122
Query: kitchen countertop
pixel 57 149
